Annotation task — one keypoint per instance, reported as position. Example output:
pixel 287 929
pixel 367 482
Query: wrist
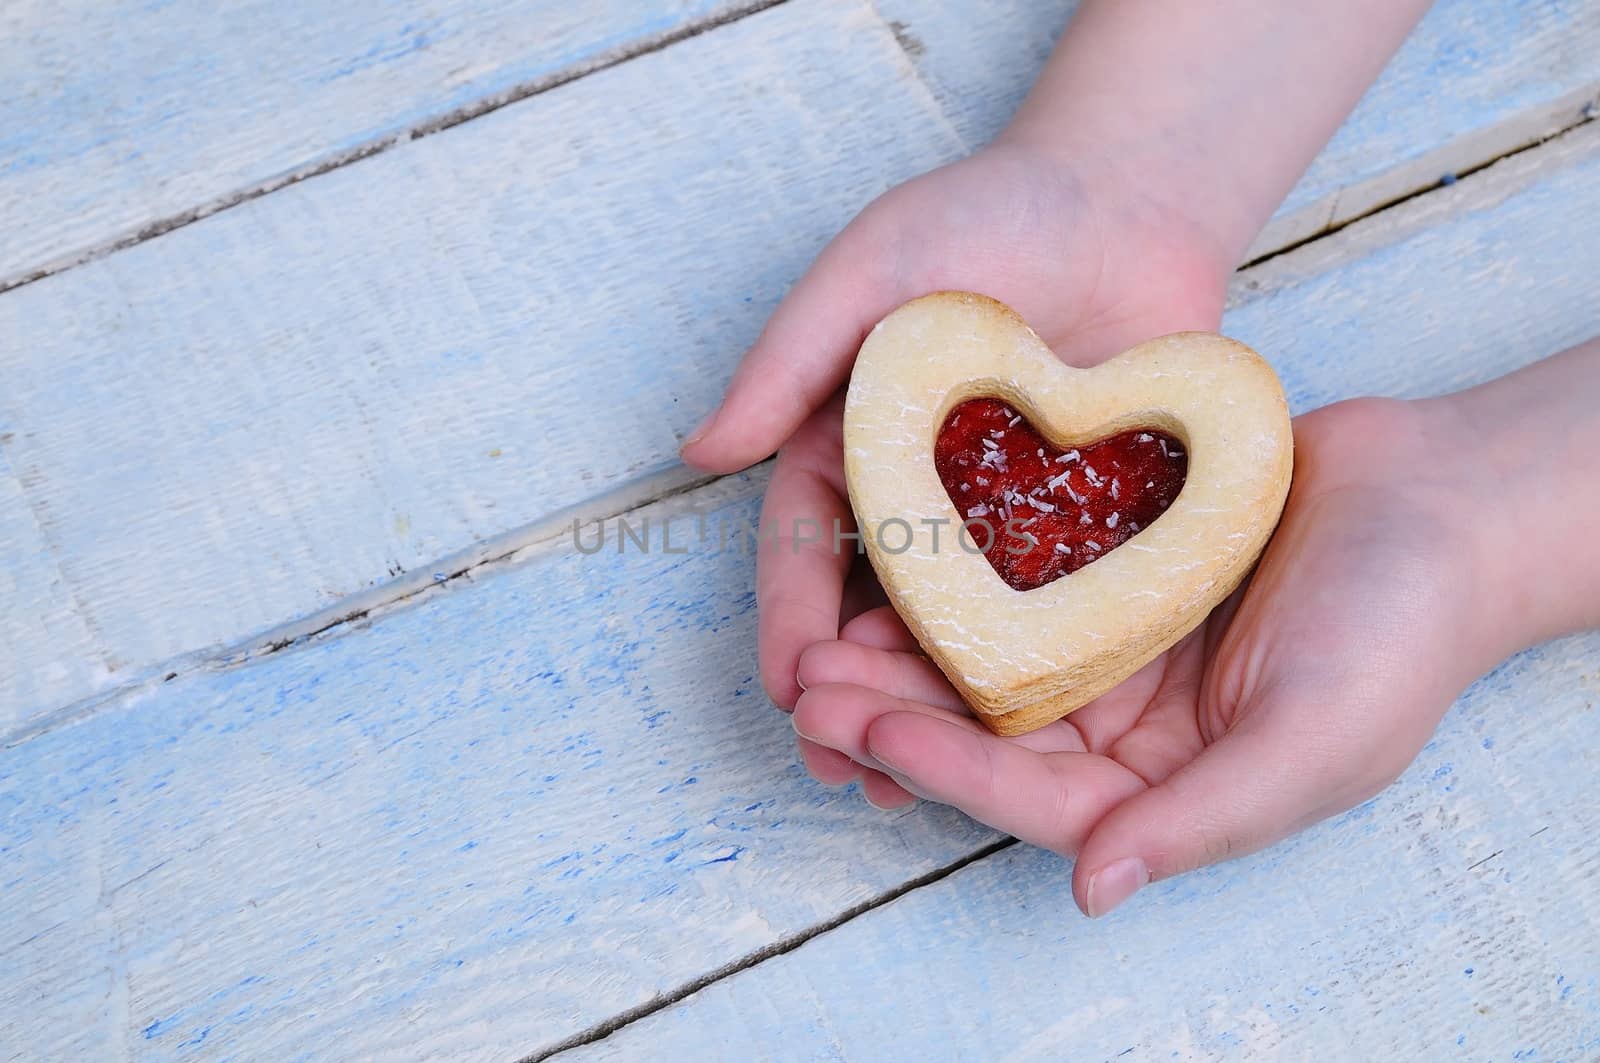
pixel 1132 185
pixel 1149 243
pixel 1215 109
pixel 1529 440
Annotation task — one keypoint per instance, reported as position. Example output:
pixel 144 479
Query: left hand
pixel 1305 693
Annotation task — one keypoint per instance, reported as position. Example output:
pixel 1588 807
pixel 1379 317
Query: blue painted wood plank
pixel 1476 79
pixel 259 415
pixel 250 423
pixel 455 826
pixel 476 828
pixel 1454 917
pixel 46 647
pixel 114 116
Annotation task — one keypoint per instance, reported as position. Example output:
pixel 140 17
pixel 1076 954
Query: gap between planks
pixel 1340 208
pixel 407 588
pixel 378 145
pixel 1500 178
pixel 600 1031
pixel 1485 186
pixel 1432 171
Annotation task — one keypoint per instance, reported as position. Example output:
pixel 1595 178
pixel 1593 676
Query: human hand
pixel 1089 264
pixel 1305 693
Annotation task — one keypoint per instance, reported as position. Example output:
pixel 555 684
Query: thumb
pixel 803 355
pixel 1277 771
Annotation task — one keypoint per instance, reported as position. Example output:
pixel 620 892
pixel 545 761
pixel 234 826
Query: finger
pixel 1002 782
pixel 900 675
pixel 804 353
pixel 838 715
pixel 826 765
pixel 1256 784
pixel 883 792
pixel 881 628
pixel 833 768
pixel 862 592
pixel 799 574
pixel 1048 799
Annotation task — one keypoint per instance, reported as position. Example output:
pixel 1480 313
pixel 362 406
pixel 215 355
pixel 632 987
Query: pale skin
pixel 1422 541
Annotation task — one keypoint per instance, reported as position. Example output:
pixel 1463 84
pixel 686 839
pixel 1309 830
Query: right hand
pixel 1092 266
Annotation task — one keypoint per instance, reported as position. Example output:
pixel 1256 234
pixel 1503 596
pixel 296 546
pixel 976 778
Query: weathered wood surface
pixel 1454 917
pixel 295 409
pixel 455 827
pixel 1474 81
pixel 269 411
pixel 476 827
pixel 118 116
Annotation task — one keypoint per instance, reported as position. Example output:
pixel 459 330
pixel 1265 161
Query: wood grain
pixel 1474 81
pixel 455 826
pixel 477 827
pixel 257 416
pixel 115 117
pixel 283 414
pixel 1451 918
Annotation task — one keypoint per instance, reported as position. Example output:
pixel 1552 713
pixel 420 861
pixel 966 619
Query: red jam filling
pixel 1049 512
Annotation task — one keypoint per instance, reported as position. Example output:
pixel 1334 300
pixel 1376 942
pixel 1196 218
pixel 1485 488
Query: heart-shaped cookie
pixel 1134 496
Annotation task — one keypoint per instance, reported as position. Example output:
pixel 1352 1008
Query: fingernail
pixel 700 429
pixel 1115 883
pixel 894 773
pixel 795 724
pixel 890 767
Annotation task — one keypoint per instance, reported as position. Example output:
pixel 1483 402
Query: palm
pixel 1092 273
pixel 1301 663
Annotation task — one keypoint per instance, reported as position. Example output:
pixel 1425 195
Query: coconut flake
pixel 1111 521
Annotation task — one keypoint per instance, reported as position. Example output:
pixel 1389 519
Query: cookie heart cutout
pixel 1043 512
pixel 1026 642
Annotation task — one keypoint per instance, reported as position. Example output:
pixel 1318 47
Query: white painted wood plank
pixel 264 413
pixel 473 828
pixel 1454 917
pixel 1478 78
pixel 116 116
pixel 46 645
pixel 243 426
pixel 293 855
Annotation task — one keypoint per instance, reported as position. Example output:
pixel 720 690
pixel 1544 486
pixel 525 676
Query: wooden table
pixel 321 322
